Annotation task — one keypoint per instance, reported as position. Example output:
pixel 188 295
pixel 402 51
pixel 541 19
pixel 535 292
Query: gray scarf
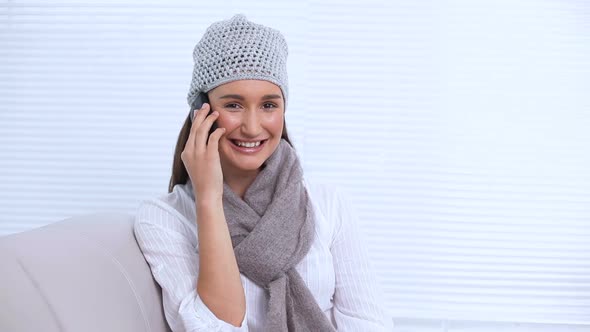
pixel 272 229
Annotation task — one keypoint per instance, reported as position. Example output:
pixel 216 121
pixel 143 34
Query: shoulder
pixel 173 210
pixel 331 203
pixel 329 198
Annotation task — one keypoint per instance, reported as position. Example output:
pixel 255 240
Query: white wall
pixel 460 129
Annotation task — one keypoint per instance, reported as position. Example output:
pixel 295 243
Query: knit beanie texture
pixel 237 49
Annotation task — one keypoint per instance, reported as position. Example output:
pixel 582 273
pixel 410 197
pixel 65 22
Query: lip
pixel 246 150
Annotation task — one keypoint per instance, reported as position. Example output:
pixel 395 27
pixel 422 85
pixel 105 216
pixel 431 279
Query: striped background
pixel 459 127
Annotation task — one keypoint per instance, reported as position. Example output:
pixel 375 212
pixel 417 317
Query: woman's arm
pixel 219 283
pixel 169 244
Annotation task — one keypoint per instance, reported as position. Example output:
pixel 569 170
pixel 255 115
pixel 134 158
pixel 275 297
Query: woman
pixel 242 242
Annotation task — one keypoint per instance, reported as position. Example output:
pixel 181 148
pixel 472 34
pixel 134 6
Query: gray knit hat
pixel 238 49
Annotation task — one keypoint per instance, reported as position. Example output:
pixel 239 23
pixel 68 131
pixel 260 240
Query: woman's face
pixel 252 113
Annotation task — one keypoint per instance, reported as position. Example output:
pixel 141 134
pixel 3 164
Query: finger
pixel 204 128
pixel 213 141
pixel 198 118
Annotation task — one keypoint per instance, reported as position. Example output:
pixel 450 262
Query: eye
pixel 232 105
pixel 270 106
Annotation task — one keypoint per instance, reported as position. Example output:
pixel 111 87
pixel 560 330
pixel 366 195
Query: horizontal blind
pixel 459 129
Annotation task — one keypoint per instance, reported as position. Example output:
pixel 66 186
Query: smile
pixel 248 144
pixel 247 147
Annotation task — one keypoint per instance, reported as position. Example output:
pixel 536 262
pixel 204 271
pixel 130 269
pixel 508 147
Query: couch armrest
pixel 84 273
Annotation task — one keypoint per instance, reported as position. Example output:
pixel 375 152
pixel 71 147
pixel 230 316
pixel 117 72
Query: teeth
pixel 248 144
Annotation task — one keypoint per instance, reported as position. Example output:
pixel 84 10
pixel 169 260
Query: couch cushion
pixel 82 274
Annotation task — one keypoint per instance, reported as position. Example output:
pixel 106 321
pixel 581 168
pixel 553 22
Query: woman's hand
pixel 201 157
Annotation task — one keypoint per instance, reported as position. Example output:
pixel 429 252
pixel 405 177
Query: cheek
pixel 227 122
pixel 275 123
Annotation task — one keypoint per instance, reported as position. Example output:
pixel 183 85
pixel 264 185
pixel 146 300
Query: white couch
pixel 83 274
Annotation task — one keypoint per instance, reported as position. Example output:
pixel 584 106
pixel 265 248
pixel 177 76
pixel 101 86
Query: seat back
pixel 85 273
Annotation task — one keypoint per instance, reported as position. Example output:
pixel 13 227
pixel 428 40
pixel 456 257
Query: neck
pixel 239 181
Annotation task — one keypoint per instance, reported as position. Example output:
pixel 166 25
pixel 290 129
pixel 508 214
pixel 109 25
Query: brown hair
pixel 179 172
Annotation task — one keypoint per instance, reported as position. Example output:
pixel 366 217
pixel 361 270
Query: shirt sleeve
pixel 169 246
pixel 357 302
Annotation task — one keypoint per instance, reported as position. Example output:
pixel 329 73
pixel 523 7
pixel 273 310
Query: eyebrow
pixel 240 97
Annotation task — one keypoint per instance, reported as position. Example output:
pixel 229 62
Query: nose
pixel 251 126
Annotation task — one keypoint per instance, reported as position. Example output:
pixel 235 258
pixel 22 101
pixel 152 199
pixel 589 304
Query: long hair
pixel 179 172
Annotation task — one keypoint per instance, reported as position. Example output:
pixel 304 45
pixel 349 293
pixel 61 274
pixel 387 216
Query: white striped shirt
pixel 336 269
